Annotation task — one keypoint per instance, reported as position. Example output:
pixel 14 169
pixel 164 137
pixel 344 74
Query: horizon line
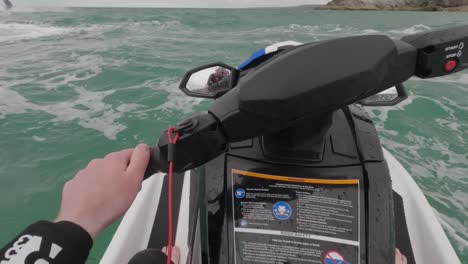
pixel 165 7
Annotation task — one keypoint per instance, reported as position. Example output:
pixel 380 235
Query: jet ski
pixel 286 166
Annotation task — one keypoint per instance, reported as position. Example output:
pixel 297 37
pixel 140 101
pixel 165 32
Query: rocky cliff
pixel 429 5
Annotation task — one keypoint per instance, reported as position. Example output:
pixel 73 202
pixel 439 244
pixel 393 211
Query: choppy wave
pixel 315 31
pixel 454 228
pixel 459 78
pixel 20 31
pixel 96 115
pixel 176 99
pixel 12 31
pixel 411 30
pixel 90 111
pixel 319 32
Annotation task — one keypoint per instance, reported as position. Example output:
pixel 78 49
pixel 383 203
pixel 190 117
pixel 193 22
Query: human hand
pixel 104 190
pixel 175 258
pixel 399 258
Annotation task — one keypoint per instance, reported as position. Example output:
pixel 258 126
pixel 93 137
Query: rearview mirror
pixel 209 81
pixel 389 97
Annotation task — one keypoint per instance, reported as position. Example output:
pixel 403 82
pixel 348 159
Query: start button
pixel 450 65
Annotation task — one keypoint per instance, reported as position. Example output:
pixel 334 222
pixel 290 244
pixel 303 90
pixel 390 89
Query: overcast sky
pixel 167 3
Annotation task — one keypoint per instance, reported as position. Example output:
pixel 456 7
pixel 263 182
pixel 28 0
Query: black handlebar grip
pixel 154 165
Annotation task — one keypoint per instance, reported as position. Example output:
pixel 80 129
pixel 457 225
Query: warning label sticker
pixel 280 219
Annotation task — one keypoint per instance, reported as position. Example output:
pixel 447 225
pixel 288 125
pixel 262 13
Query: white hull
pixel 428 239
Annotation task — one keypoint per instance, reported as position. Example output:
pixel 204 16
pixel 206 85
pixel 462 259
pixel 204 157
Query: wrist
pixel 93 229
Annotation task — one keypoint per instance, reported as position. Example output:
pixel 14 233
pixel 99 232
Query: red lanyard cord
pixel 172 141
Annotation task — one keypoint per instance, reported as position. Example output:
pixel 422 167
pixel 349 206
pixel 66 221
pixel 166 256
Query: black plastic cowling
pixel 312 81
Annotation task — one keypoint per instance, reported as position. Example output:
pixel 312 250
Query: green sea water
pixel 78 83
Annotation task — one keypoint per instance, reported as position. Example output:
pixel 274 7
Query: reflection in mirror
pixel 382 97
pixel 210 81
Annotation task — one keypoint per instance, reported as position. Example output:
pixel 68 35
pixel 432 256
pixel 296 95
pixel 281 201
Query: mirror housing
pixel 209 81
pixel 390 97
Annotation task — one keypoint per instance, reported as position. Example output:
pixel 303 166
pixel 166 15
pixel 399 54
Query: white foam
pixel 176 99
pixel 462 198
pixel 325 31
pixel 324 28
pixel 381 112
pixel 421 144
pixel 308 28
pixel 128 107
pixel 370 31
pixel 12 102
pixel 97 115
pixel 302 33
pixel 411 30
pixel 53 74
pixel 81 68
pixel 448 195
pixel 39 139
pixel 458 78
pixel 452 165
pixel 450 107
pixel 21 31
pixel 157 25
pixel 93 113
pixel 453 227
pixel 312 31
pixel 12 31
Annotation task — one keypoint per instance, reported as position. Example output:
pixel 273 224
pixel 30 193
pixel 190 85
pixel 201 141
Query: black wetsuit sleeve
pixel 47 242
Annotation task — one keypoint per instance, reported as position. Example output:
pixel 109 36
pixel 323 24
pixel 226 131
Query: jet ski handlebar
pixel 310 82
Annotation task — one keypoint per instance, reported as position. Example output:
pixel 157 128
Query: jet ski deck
pixel 429 243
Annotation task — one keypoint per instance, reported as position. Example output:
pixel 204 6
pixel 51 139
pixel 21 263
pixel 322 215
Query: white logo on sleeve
pixel 25 246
